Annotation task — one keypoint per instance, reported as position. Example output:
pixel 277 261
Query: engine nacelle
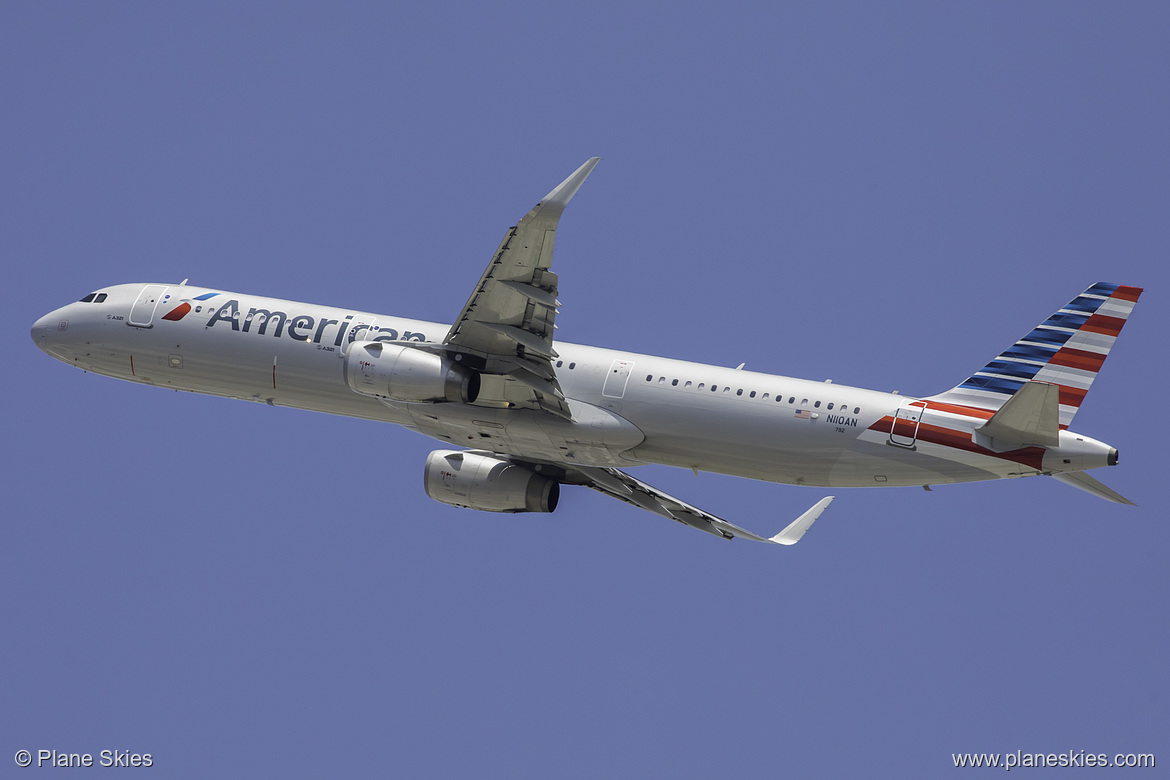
pixel 478 481
pixel 401 373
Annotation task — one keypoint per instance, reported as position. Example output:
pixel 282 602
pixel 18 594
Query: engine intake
pixel 475 480
pixel 403 373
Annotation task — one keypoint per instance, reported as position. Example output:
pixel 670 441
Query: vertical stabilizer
pixel 1066 350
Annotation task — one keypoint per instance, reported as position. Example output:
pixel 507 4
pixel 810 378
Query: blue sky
pixel 884 195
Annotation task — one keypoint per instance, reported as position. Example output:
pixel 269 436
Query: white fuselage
pixel 628 408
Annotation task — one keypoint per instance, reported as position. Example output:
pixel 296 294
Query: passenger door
pixel 905 429
pixel 142 312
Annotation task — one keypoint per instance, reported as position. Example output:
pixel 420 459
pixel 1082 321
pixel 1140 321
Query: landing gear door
pixel 615 380
pixel 905 429
pixel 142 312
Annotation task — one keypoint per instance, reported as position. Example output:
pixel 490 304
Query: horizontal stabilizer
pixel 1082 481
pixel 1031 416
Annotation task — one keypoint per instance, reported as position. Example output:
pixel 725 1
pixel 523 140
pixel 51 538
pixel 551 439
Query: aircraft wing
pixel 508 321
pixel 623 487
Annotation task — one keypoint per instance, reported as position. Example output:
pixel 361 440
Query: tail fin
pixel 1066 350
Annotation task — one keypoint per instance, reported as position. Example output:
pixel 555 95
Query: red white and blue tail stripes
pixel 1066 350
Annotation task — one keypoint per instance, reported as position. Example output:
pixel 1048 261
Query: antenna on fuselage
pixel 184 282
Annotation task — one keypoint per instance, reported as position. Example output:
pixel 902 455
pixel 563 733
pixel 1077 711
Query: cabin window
pixel 661 379
pixel 739 391
pixel 674 383
pixel 817 405
pixel 792 399
pixel 572 366
pixel 688 384
pixel 857 410
pixel 649 377
pixel 714 388
pixel 702 385
pixel 830 407
pixel 560 363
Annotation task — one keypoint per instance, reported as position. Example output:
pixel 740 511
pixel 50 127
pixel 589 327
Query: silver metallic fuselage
pixel 628 408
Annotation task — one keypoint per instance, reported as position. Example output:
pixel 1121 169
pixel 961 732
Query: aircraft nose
pixel 49 329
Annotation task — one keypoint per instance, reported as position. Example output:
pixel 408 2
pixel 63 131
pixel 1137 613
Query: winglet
pixel 564 192
pixel 796 529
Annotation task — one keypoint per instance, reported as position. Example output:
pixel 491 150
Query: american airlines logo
pixel 184 307
pixel 301 327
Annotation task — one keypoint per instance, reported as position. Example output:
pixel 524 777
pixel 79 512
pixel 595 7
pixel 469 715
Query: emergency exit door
pixel 615 380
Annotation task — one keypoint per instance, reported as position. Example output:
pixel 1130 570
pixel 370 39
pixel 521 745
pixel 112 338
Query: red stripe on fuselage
pixel 1032 457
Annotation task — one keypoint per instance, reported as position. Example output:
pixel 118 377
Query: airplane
pixel 522 415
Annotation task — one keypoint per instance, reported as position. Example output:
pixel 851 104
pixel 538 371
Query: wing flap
pixel 535 343
pixel 622 486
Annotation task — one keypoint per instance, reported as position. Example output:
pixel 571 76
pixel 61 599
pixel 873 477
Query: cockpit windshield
pixel 94 298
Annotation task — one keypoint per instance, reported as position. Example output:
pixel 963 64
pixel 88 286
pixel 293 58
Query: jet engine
pixel 403 373
pixel 476 480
